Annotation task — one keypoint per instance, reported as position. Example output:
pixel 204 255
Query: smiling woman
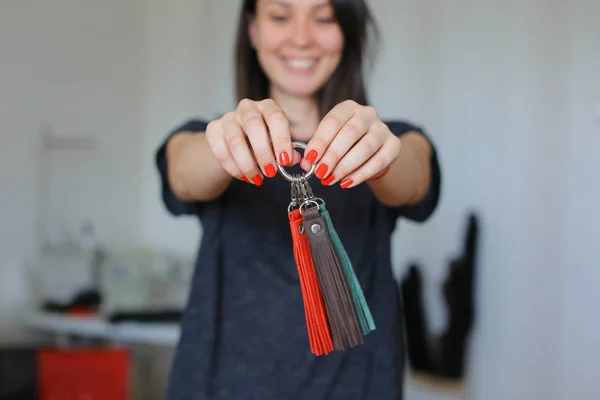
pixel 244 331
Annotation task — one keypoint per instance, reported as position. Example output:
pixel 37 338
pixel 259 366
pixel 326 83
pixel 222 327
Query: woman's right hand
pixel 247 141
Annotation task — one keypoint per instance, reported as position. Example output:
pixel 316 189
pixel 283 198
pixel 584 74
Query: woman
pixel 299 67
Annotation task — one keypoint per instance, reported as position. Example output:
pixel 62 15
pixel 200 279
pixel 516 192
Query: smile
pixel 300 64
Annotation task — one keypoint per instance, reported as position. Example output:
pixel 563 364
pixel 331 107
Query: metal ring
pixel 307 203
pixel 287 175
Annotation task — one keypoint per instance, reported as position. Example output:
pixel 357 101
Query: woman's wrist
pixel 407 178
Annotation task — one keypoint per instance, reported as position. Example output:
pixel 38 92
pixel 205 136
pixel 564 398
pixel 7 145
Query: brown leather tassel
pixel 339 306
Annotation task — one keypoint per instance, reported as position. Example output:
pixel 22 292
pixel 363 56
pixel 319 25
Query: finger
pixel 357 156
pixel 279 130
pixel 254 127
pixel 327 129
pixel 240 150
pixel 305 165
pixel 216 141
pixel 296 158
pixel 347 137
pixel 378 163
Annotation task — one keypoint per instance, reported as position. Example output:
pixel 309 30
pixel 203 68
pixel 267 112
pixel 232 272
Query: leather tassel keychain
pixel 326 274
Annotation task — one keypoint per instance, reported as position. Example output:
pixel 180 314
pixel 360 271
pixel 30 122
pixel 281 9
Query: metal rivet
pixel 315 228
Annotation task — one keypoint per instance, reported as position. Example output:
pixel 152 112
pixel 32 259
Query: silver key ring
pixel 287 175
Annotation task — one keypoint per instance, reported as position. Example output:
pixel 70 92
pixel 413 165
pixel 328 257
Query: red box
pixel 84 374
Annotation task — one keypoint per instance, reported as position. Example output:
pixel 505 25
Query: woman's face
pixel 299 43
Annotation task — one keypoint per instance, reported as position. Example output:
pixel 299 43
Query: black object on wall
pixel 444 355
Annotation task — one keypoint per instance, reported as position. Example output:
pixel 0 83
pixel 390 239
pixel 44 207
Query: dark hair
pixel 347 81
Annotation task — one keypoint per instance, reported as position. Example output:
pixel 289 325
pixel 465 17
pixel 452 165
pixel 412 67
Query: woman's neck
pixel 302 112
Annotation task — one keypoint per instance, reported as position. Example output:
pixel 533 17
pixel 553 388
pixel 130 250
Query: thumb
pixel 296 157
pixel 305 165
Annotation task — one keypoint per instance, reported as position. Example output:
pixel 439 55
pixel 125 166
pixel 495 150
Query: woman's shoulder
pixel 401 126
pixel 191 125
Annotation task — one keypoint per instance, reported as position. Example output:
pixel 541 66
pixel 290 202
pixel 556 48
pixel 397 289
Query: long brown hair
pixel 346 83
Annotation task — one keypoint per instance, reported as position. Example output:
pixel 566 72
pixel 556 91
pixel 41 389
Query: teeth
pixel 300 63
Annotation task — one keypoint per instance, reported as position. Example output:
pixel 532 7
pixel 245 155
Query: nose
pixel 302 34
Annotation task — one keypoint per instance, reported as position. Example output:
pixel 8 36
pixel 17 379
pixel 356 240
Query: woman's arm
pixel 193 171
pixel 407 178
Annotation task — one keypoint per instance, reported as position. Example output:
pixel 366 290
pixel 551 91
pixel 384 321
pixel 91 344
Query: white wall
pixel 579 329
pixel 505 89
pixel 76 67
pixel 187 58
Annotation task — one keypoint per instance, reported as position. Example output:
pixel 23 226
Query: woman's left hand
pixel 351 145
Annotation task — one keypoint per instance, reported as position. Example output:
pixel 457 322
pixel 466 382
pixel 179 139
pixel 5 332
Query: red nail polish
pixel 321 171
pixel 346 182
pixel 245 179
pixel 284 158
pixel 270 170
pixel 311 156
pixel 258 180
pixel 328 180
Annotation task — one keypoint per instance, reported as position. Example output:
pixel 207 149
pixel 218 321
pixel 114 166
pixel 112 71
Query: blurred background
pixel 508 90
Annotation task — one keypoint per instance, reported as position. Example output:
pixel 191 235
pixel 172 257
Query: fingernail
pixel 328 180
pixel 258 180
pixel 284 158
pixel 321 171
pixel 346 182
pixel 270 170
pixel 311 156
pixel 245 179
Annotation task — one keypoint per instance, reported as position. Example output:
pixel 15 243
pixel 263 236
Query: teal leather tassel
pixel 362 308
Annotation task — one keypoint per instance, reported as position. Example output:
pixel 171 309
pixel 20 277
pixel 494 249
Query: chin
pixel 300 90
pixel 302 86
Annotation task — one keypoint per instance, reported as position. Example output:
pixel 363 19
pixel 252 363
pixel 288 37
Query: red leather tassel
pixel 314 309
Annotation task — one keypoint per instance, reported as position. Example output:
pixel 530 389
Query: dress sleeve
pixel 173 204
pixel 421 211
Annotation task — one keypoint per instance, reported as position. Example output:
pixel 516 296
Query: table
pixel 96 327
